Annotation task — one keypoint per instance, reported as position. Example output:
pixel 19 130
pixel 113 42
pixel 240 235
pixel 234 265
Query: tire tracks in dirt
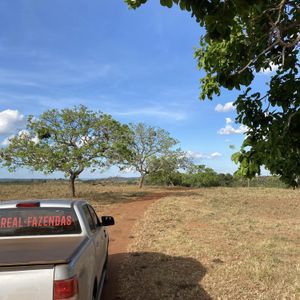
pixel 126 215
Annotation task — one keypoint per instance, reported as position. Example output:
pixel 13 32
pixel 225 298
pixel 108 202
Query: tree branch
pixel 257 57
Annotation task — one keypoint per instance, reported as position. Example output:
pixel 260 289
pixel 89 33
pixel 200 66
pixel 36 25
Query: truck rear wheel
pixel 95 290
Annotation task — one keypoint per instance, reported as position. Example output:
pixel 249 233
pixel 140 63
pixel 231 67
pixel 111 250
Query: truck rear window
pixel 22 221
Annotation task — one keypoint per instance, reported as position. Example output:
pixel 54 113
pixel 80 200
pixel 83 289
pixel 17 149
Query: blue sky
pixel 136 65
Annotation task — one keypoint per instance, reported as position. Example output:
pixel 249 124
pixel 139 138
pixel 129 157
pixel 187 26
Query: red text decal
pixel 35 221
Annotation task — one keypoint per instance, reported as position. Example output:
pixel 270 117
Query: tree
pixel 67 140
pixel 244 37
pixel 166 169
pixel 200 176
pixel 147 143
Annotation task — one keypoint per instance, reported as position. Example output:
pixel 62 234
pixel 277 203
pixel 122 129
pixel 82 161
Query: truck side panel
pixel 83 266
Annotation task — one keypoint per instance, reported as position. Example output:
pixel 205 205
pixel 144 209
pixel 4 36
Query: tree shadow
pixel 115 194
pixel 154 276
pixel 108 198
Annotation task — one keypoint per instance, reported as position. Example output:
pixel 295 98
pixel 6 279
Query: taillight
pixel 28 204
pixel 66 289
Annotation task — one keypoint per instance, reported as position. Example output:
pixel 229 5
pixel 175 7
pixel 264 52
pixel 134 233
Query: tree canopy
pixel 67 140
pixel 166 169
pixel 147 145
pixel 244 37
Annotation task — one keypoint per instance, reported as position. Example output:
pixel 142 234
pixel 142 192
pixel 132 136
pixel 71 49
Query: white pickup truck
pixel 52 250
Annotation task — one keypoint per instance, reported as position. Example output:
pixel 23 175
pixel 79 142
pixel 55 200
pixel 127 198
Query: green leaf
pixel 168 3
pixel 235 157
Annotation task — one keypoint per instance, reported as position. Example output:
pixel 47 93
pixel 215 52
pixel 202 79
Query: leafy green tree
pixel 195 169
pixel 147 144
pixel 225 179
pixel 67 140
pixel 200 176
pixel 244 37
pixel 166 169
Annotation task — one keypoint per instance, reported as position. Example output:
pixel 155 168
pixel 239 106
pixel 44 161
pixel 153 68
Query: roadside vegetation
pixel 201 176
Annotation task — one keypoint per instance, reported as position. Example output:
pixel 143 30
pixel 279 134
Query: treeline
pixel 76 139
pixel 207 177
pixel 178 179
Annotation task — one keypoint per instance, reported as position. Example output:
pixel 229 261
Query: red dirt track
pixel 125 214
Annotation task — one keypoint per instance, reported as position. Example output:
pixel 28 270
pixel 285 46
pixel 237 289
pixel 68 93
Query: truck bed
pixel 39 251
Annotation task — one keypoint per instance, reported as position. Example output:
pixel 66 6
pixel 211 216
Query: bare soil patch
pixel 126 215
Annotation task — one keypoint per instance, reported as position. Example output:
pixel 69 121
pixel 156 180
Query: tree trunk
pixel 141 183
pixel 72 185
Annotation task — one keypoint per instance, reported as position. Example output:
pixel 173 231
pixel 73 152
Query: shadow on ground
pixel 96 193
pixel 108 198
pixel 154 276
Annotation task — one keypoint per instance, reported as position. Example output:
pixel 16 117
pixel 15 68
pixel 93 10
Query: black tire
pixel 104 271
pixel 95 290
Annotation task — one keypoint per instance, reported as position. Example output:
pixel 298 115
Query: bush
pixel 201 176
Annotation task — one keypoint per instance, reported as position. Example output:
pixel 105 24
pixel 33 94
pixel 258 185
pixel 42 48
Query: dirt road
pixel 125 214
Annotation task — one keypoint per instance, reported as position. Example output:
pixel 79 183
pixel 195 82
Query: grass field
pixel 217 243
pixel 100 195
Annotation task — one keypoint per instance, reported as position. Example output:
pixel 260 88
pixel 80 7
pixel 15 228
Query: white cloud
pixel 225 108
pixel 157 112
pixel 56 72
pixel 197 155
pixel 25 133
pixel 216 154
pixel 35 139
pixel 229 129
pixel 128 170
pixel 194 155
pixel 273 68
pixel 10 120
pixel 228 120
pixel 6 141
pixel 22 133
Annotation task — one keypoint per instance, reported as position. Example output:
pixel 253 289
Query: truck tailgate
pixel 38 251
pixel 30 283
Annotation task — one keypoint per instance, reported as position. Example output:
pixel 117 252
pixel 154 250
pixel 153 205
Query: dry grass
pixel 219 243
pixel 100 195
